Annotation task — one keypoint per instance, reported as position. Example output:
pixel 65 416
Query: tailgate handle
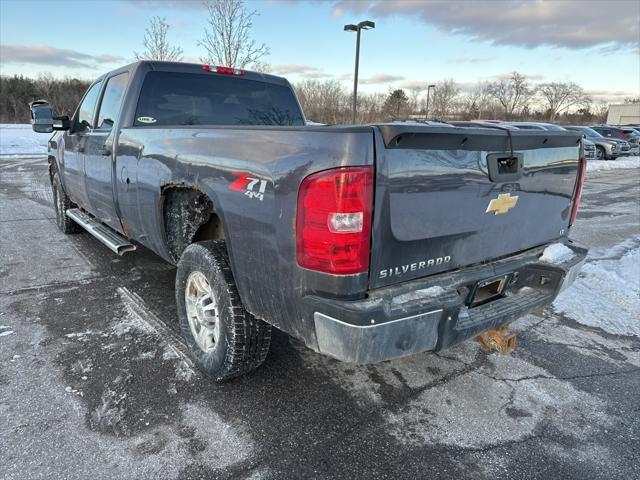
pixel 505 167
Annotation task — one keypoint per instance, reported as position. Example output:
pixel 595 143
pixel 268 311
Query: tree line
pixel 511 98
pixel 16 92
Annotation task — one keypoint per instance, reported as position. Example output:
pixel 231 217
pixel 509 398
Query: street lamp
pixel 428 92
pixel 366 25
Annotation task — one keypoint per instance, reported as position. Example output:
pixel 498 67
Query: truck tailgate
pixel 448 197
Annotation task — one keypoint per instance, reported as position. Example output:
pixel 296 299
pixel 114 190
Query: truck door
pixel 100 154
pixel 72 162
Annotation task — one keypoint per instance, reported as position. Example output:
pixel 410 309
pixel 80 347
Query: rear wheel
pixel 224 339
pixel 62 203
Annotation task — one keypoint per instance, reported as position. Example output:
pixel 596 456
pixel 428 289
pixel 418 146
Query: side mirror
pixel 42 118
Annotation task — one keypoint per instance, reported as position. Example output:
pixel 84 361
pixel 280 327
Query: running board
pixel 113 240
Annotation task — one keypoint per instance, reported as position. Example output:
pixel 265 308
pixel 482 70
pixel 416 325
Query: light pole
pixel 366 25
pixel 428 92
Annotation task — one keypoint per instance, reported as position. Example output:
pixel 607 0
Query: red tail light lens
pixel 582 168
pixel 223 70
pixel 333 227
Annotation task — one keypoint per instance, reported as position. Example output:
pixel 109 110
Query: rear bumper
pixel 433 313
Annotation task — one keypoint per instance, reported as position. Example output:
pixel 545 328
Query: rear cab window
pixel 174 99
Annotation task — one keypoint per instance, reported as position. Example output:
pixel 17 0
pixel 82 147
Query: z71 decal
pixel 249 184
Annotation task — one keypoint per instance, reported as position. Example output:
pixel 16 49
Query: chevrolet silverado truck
pixel 366 242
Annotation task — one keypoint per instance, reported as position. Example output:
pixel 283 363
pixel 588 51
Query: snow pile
pixel 18 140
pixel 621 162
pixel 556 253
pixel 607 293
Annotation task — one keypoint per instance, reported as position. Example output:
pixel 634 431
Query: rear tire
pixel 224 339
pixel 62 203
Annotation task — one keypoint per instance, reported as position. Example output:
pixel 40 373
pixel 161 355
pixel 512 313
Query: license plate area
pixel 488 290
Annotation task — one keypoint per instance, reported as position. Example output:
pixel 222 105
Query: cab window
pixel 86 111
pixel 112 101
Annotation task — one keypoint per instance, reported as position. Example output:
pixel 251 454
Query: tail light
pixel 582 168
pixel 333 227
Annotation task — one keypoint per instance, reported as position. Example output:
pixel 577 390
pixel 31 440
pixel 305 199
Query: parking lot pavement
pixel 94 382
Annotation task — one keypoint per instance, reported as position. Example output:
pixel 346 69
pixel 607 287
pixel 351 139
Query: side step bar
pixel 112 239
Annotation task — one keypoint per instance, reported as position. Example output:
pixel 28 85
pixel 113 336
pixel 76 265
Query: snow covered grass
pixel 18 140
pixel 607 292
pixel 621 162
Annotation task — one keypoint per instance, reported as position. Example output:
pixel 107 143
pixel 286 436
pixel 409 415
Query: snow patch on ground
pixel 18 140
pixel 556 253
pixel 622 162
pixel 607 292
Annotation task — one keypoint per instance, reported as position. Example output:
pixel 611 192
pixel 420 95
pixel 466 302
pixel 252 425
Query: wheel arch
pixel 188 215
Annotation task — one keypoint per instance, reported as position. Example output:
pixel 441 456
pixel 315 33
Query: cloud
pixel 306 71
pixel 534 77
pixel 380 78
pixel 610 96
pixel 529 24
pixel 418 85
pixel 52 56
pixel 463 60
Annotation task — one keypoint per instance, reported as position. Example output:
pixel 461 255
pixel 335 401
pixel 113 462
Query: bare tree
pixel 323 101
pixel 513 93
pixel 227 39
pixel 444 97
pixel 560 96
pixel 156 45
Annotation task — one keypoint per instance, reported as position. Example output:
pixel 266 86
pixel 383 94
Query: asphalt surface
pixel 94 384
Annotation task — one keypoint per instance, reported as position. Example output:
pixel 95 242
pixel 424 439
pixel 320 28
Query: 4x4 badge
pixel 502 204
pixel 250 185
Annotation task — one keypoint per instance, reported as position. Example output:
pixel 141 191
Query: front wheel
pixel 62 203
pixel 600 153
pixel 224 339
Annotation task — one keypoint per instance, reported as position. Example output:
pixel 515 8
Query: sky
pixel 415 42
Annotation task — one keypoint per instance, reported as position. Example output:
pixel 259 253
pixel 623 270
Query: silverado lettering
pixel 412 267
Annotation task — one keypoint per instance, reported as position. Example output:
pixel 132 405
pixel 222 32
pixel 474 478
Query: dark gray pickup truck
pixel 367 242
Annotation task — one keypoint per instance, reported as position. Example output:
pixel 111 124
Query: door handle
pixel 80 149
pixel 104 151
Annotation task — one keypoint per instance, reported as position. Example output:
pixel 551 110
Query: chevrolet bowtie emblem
pixel 502 204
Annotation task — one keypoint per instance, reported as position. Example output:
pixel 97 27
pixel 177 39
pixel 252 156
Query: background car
pixel 535 126
pixel 606 148
pixel 626 134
